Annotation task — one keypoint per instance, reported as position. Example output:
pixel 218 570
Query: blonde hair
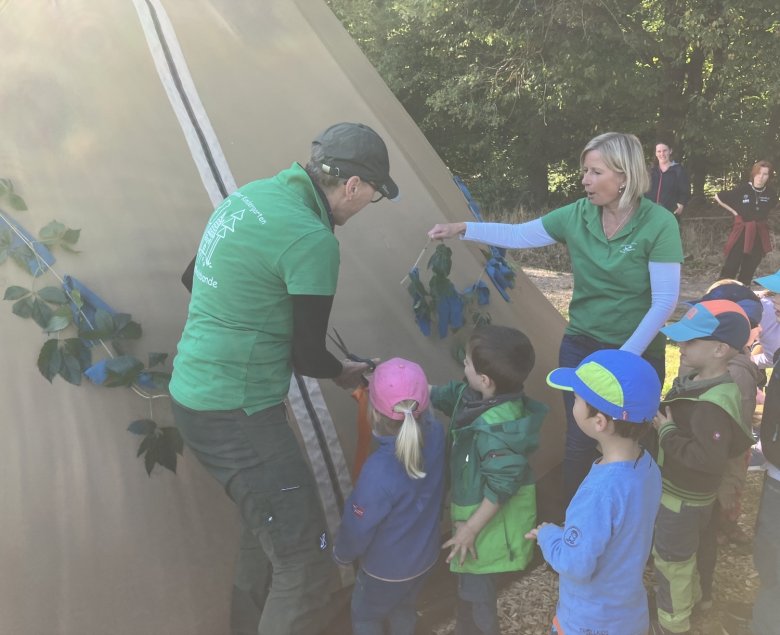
pixel 409 441
pixel 622 153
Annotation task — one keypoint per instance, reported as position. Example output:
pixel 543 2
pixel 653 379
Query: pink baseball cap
pixel 398 380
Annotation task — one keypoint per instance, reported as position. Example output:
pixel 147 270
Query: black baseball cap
pixel 354 149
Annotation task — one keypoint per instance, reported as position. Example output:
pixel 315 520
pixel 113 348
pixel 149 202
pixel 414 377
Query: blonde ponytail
pixel 408 445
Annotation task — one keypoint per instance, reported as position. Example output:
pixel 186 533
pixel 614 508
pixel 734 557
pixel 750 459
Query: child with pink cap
pixel 391 520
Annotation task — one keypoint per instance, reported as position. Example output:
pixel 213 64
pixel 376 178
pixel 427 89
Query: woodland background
pixel 509 91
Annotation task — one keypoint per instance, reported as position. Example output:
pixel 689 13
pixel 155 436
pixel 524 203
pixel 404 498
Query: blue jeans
pixel 379 602
pixel 477 610
pixel 580 449
pixel 284 572
pixel 766 557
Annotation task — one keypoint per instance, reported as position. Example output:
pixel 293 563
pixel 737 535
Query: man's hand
pixel 662 418
pixel 351 374
pixel 447 230
pixel 462 543
pixel 679 209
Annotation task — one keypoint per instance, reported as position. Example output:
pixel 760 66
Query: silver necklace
pixel 620 224
pixel 755 189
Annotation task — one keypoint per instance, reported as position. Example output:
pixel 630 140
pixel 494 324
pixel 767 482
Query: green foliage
pixel 57 234
pixel 8 194
pixel 159 445
pixel 52 308
pixel 509 91
pixel 67 358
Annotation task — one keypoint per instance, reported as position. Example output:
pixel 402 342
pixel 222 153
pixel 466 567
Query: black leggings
pixel 742 266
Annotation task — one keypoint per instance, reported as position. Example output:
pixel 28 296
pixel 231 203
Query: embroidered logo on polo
pixel 358 510
pixel 572 536
pixel 628 248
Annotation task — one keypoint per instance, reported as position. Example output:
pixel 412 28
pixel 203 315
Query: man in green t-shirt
pixel 263 284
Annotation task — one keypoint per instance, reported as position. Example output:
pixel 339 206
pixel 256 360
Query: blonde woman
pixel 626 254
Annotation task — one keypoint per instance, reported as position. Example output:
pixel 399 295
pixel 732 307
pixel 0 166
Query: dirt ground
pixel 527 604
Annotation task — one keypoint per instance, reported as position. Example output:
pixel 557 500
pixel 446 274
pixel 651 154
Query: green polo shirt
pixel 267 241
pixel 611 277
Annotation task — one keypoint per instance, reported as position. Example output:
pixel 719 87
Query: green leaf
pixel 58 323
pixel 14 293
pixel 76 347
pixel 70 368
pixel 157 358
pixel 75 297
pixel 130 332
pixel 174 437
pixel 166 452
pixel 17 202
pixel 159 379
pixel 55 295
pixel 142 426
pixel 42 313
pixel 104 322
pixel 24 307
pixel 71 237
pixel 50 359
pixel 122 371
pixel 441 261
pixel 150 458
pixel 5 186
pixel 53 231
pixel 21 255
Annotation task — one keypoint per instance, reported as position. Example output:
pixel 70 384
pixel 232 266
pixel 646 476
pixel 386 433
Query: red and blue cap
pixel 739 293
pixel 720 320
pixel 620 384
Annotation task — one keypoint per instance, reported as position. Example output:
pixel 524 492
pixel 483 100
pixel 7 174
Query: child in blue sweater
pixel 391 520
pixel 601 551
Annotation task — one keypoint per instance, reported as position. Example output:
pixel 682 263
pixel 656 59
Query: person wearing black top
pixel 749 240
pixel 669 185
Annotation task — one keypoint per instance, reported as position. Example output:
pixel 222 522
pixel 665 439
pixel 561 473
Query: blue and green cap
pixel 620 384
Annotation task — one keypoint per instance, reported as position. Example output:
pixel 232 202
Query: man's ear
pixel 351 186
pixel 487 382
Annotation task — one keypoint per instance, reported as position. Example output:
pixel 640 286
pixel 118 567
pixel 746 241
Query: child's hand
pixel 534 533
pixel 462 543
pixel 662 418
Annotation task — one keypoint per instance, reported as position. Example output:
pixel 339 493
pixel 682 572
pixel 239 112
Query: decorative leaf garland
pixel 56 309
pixel 442 300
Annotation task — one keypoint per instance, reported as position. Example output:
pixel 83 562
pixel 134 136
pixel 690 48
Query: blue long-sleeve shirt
pixel 391 521
pixel 601 551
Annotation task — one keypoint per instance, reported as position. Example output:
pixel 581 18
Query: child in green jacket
pixel 494 428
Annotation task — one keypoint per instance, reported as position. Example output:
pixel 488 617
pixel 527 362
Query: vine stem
pixel 46 267
pixel 417 262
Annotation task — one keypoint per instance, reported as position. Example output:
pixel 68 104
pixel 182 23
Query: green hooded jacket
pixel 491 443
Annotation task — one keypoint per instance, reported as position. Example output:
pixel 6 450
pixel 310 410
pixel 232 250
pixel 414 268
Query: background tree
pixel 508 92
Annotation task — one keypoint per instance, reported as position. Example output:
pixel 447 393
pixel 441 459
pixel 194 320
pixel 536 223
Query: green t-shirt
pixel 611 277
pixel 267 241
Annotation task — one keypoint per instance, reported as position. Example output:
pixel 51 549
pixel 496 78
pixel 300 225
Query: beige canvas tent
pixel 129 119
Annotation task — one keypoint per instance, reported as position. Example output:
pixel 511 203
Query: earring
pixel 622 188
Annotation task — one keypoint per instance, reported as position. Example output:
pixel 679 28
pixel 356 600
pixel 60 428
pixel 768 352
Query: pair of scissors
pixel 350 356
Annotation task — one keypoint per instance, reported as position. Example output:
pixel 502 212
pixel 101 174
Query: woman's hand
pixel 447 230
